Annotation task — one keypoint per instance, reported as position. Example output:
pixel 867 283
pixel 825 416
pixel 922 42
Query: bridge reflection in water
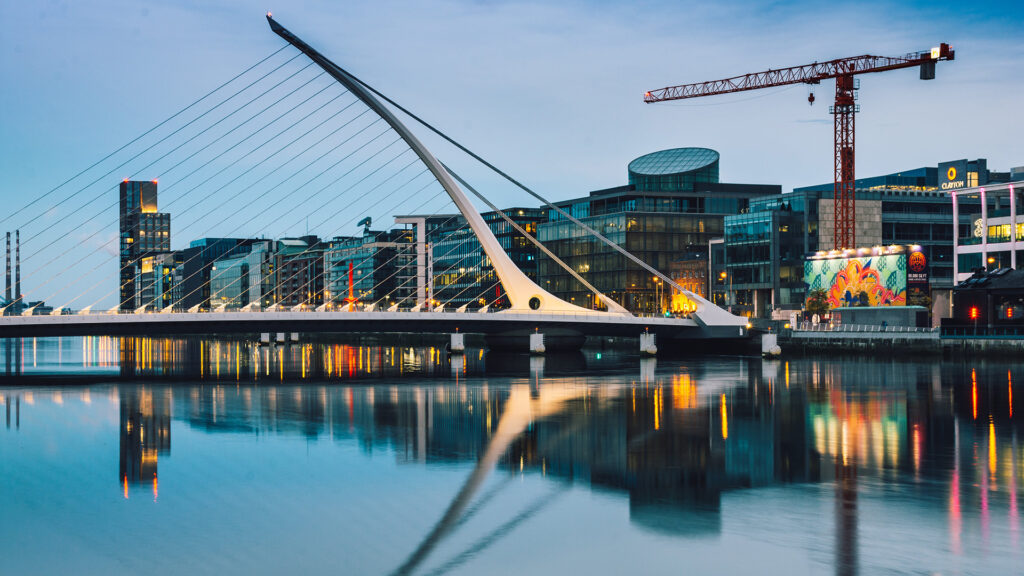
pixel 673 440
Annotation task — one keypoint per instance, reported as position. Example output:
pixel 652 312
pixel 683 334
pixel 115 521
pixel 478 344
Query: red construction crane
pixel 843 70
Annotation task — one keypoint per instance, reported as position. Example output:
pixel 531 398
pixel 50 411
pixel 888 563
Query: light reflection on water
pixel 360 459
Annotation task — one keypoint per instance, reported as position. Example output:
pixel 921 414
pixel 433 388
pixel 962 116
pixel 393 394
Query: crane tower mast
pixel 843 110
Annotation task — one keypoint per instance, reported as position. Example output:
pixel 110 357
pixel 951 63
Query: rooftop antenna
pixel 365 223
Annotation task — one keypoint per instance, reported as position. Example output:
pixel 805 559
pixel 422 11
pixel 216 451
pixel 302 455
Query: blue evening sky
pixel 549 91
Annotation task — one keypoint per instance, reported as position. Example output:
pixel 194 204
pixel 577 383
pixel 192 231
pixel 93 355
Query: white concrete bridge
pixel 532 309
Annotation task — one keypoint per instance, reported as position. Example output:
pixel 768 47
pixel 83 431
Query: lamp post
pixel 729 298
pixel 657 294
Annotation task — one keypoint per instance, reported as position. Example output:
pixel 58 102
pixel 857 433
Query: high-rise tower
pixel 144 233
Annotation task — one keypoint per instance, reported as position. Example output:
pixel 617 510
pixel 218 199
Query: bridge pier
pixel 647 344
pixel 458 343
pixel 553 338
pixel 537 343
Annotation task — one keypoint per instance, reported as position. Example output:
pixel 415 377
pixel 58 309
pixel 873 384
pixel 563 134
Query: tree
pixel 863 299
pixel 919 297
pixel 817 302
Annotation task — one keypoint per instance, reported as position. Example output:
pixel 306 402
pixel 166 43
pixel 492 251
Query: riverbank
pixel 895 341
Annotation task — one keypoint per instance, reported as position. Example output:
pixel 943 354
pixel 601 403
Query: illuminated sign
pixel 877 280
pixel 953 175
pixel 917 276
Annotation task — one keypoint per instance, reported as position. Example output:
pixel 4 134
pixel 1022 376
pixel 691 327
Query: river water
pixel 217 456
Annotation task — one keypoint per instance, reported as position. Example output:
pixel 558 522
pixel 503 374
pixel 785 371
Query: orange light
pixel 724 410
pixel 974 393
pixel 269 15
pixel 973 314
pixel 125 180
pixel 154 180
pixel 1009 312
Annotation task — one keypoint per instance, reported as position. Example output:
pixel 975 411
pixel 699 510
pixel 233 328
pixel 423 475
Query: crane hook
pixel 810 98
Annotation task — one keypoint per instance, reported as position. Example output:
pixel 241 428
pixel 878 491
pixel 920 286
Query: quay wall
pixel 894 343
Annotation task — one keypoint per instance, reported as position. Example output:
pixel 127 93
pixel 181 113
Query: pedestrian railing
pixel 861 328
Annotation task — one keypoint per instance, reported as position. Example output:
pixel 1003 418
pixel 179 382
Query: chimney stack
pixel 17 271
pixel 7 293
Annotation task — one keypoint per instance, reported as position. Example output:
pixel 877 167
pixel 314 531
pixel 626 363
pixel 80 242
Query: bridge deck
pixel 355 322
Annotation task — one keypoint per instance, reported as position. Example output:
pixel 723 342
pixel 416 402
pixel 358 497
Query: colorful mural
pixel 882 278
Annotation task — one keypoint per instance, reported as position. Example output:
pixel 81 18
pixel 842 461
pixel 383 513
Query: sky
pixel 549 91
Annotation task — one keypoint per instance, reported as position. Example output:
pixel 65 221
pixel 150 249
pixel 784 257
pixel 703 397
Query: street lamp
pixel 657 294
pixel 729 297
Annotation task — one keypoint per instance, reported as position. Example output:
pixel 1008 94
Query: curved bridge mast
pixel 523 294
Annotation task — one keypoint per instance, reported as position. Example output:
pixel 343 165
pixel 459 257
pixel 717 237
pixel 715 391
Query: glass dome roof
pixel 674 161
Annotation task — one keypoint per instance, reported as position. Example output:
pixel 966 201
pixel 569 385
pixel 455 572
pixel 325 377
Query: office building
pixel 672 206
pixel 382 267
pixel 197 266
pixel 993 237
pixel 760 272
pixel 463 274
pixel 299 272
pixel 424 230
pixel 246 279
pixel 144 233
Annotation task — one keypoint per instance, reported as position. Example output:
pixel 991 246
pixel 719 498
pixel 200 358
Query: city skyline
pixel 549 162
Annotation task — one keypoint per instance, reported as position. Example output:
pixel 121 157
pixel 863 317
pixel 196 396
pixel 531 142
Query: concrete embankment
pixel 896 343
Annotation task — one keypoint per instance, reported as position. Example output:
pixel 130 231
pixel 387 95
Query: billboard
pixel 953 175
pixel 883 278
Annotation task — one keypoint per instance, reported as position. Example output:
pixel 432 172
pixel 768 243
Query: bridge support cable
pixel 438 291
pixel 287 196
pixel 361 180
pixel 163 139
pixel 611 304
pixel 45 195
pixel 523 293
pixel 201 149
pixel 399 253
pixel 315 177
pixel 246 155
pixel 114 205
pixel 352 220
pixel 522 186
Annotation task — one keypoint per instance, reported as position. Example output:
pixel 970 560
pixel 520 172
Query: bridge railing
pixel 861 328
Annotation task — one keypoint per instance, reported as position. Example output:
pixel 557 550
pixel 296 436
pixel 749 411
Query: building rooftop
pixel 673 161
pixel 998 279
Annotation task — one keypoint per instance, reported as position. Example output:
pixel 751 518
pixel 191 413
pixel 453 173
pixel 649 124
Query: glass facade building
pixel 383 266
pixel 760 268
pixel 299 272
pixel 243 279
pixel 144 233
pixel 463 274
pixel 670 210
